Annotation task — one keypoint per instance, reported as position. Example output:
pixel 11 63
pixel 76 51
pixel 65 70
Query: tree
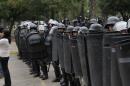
pixel 17 10
pixel 115 6
pixel 11 10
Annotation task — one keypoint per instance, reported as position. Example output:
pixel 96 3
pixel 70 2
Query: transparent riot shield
pixel 82 47
pixel 17 40
pixel 75 56
pixel 67 54
pixel 94 48
pixel 22 42
pixel 60 49
pixel 120 60
pixel 54 46
pixel 107 57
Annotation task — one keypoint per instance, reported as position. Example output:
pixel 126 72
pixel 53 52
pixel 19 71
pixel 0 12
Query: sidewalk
pixel 20 73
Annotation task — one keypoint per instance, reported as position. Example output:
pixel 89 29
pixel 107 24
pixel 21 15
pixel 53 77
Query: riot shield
pixel 107 57
pixel 26 48
pixel 75 56
pixel 120 59
pixel 47 58
pixel 82 47
pixel 54 46
pixel 60 49
pixel 67 54
pixel 67 50
pixel 94 48
pixel 16 34
pixel 22 42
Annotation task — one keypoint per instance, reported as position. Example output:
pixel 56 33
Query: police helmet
pixel 32 26
pixel 61 26
pixel 69 28
pixel 83 30
pixel 53 29
pixel 112 20
pixel 93 21
pixel 120 26
pixel 50 21
pixel 76 29
pixel 128 24
pixel 96 27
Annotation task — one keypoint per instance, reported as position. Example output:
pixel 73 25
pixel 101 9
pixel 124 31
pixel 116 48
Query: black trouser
pixel 64 78
pixel 57 69
pixel 4 63
pixel 64 74
pixel 43 66
pixel 72 80
pixel 35 66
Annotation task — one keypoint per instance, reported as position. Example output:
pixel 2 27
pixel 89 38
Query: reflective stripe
pixel 124 60
pixel 113 50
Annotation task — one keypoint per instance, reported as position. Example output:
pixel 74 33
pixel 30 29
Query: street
pixel 20 73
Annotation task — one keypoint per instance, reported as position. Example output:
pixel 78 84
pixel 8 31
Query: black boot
pixel 44 70
pixel 56 80
pixel 70 80
pixel 77 82
pixel 57 72
pixel 64 80
pixel 36 68
pixel 45 77
pixel 36 75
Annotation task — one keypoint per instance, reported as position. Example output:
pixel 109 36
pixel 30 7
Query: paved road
pixel 20 73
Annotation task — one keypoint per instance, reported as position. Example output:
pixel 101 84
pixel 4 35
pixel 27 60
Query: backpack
pixel 34 41
pixel 22 38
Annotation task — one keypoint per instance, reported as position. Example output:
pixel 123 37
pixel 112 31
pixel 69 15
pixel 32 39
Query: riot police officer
pixel 92 21
pixel 111 21
pixel 94 51
pixel 52 36
pixel 33 59
pixel 128 25
pixel 121 27
pixel 16 34
pixel 36 49
pixel 76 65
pixel 61 29
pixel 66 22
pixel 22 41
pixel 119 53
pixel 46 59
pixel 67 55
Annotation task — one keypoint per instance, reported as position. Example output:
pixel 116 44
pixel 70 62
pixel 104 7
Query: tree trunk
pixel 52 13
pixel 92 8
pixel 82 8
pixel 11 25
